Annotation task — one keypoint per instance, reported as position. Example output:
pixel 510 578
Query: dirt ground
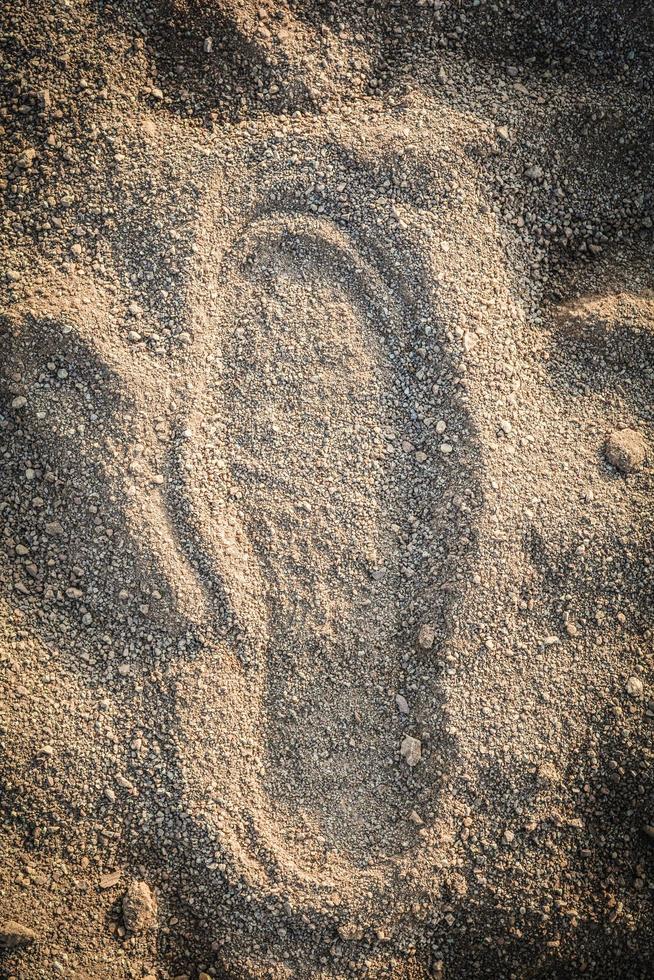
pixel 327 459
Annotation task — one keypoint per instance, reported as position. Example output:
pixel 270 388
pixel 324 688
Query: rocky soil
pixel 327 441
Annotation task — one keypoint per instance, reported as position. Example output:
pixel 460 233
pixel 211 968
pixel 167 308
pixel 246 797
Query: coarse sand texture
pixel 327 458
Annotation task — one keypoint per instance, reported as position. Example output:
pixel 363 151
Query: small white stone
pixel 402 704
pixel 411 750
pixel 634 687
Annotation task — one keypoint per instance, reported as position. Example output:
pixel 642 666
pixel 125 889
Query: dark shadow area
pixel 593 38
pixel 593 825
pixel 253 46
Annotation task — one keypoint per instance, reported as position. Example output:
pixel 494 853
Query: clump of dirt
pixel 326 388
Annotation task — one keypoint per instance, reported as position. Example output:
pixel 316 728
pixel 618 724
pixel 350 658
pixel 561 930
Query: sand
pixel 327 374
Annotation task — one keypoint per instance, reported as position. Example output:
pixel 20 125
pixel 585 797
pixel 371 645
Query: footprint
pixel 304 489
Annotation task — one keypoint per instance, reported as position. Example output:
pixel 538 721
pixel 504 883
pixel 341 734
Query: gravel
pixel 326 392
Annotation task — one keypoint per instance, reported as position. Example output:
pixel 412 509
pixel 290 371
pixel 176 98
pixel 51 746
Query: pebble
pixel 547 774
pixel 110 880
pixel 402 704
pixel 19 401
pixel 14 934
pixel 426 636
pixel 411 750
pixel 26 158
pixel 634 687
pixel 139 907
pixel 626 449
